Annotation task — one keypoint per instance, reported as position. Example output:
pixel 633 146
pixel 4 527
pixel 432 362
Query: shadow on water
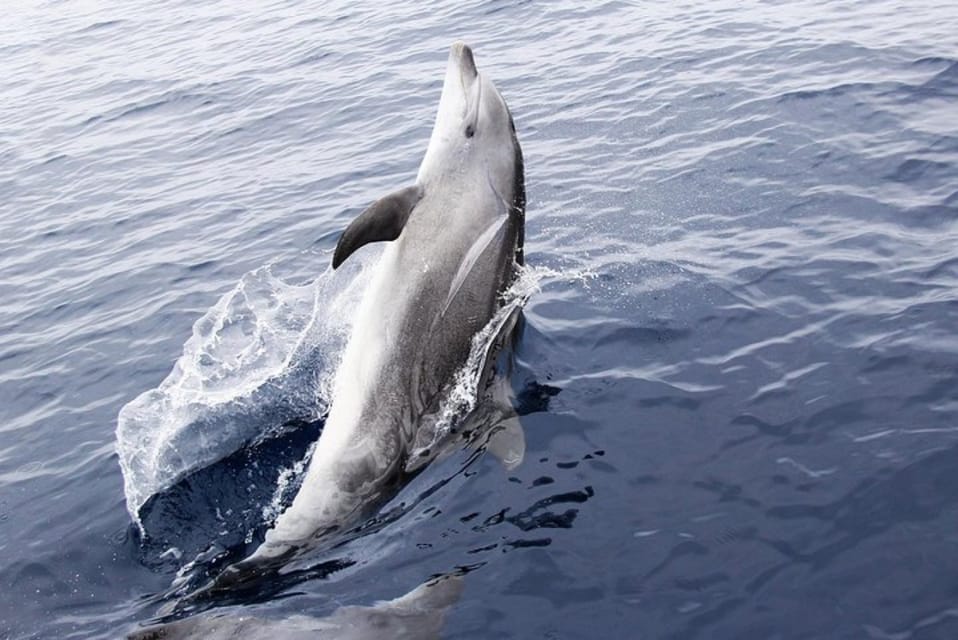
pixel 536 516
pixel 534 398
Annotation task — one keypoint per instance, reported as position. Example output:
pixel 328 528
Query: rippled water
pixel 744 425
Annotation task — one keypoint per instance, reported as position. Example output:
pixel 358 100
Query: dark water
pixel 739 377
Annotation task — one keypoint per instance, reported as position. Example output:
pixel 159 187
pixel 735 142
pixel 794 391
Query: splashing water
pixel 464 391
pixel 265 354
pixel 288 479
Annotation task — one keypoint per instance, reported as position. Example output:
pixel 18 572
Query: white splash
pixel 264 354
pixel 464 391
pixel 288 478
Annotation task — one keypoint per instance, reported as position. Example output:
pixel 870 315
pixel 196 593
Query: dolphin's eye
pixel 470 131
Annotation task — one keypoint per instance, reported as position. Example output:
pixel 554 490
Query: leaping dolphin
pixel 455 240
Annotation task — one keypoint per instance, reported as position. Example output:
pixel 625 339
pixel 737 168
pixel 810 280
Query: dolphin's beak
pixel 461 55
pixel 460 58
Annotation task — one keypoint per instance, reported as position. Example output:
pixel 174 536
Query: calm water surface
pixel 739 377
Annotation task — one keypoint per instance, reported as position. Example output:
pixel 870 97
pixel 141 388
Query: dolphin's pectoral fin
pixel 383 220
pixel 505 439
pixel 507 442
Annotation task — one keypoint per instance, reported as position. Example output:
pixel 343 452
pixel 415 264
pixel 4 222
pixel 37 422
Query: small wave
pixel 933 60
pixel 914 169
pixel 96 26
pixel 836 91
pixel 945 81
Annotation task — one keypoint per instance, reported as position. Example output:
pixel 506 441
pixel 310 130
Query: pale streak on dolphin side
pixel 417 615
pixel 469 261
pixel 458 237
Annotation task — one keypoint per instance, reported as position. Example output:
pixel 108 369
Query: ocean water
pixel 738 375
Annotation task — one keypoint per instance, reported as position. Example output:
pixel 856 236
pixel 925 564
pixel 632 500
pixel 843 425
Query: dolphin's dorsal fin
pixel 383 220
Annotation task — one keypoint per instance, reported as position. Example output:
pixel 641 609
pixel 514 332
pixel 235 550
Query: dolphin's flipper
pixel 383 220
pixel 505 439
pixel 507 442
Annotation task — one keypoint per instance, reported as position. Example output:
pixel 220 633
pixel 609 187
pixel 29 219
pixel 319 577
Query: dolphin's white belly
pixel 322 500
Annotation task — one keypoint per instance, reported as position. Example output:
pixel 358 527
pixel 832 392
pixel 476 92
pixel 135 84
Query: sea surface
pixel 738 375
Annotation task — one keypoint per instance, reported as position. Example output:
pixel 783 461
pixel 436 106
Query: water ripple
pixel 762 197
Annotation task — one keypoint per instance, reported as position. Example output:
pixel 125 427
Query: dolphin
pixel 455 240
pixel 417 615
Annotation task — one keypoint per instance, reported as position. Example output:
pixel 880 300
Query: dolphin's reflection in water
pixel 417 615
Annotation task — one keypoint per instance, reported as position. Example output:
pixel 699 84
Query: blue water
pixel 738 380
